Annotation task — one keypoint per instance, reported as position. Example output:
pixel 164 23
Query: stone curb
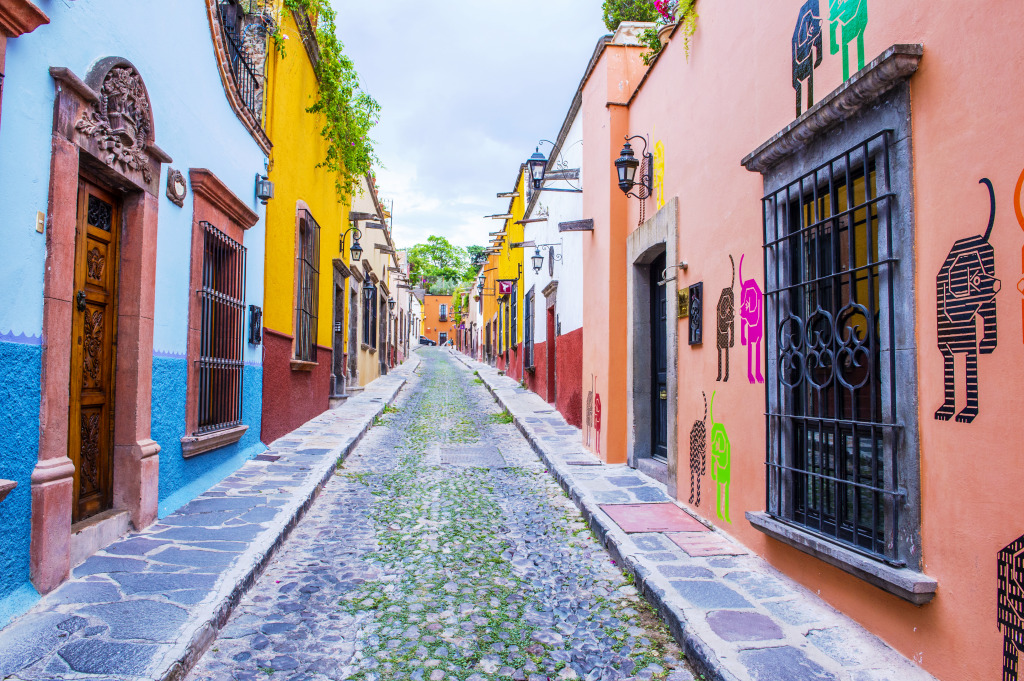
pixel 614 540
pixel 233 586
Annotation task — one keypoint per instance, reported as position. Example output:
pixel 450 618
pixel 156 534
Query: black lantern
pixel 264 188
pixel 538 260
pixel 481 281
pixel 356 250
pixel 368 290
pixel 391 303
pixel 626 166
pixel 538 164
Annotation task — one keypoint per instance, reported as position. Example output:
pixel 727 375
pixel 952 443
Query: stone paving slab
pixel 149 605
pixel 736 617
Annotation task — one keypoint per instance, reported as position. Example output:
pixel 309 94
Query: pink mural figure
pixel 597 420
pixel 751 324
pixel 1020 221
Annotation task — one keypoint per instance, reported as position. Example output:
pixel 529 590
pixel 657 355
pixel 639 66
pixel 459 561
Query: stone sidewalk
pixel 149 605
pixel 736 617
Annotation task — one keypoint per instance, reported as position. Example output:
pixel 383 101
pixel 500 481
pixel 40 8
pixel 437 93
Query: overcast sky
pixel 466 89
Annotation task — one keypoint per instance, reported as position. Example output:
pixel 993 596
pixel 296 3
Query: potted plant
pixel 670 13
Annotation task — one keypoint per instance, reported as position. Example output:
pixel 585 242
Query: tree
pixel 437 259
pixel 476 254
pixel 616 11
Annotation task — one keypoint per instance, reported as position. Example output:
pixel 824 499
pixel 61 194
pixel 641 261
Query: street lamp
pixel 538 260
pixel 356 250
pixel 368 290
pixel 391 303
pixel 626 165
pixel 537 164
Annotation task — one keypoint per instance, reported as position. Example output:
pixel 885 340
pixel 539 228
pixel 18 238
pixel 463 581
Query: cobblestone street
pixel 442 549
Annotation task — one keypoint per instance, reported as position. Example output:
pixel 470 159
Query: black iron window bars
pixel 832 444
pixel 308 288
pixel 243 25
pixel 222 334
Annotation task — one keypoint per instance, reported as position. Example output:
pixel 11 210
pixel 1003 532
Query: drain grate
pixel 474 457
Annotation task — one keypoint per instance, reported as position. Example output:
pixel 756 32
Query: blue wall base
pixel 176 500
pixel 17 603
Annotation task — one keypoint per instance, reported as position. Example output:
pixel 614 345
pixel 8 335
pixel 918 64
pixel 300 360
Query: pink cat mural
pixel 751 325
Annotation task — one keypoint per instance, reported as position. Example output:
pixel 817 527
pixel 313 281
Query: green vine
pixel 686 15
pixel 349 113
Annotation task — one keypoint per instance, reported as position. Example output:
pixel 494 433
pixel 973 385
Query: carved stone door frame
pixel 103 128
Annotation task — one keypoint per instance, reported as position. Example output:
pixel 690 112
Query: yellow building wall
pixel 299 148
pixel 510 260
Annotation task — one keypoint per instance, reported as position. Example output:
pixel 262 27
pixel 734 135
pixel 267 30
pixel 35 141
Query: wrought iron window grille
pixel 832 452
pixel 222 332
pixel 245 25
pixel 308 289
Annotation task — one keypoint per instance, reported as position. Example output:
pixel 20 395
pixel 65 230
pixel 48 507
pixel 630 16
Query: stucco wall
pixel 195 125
pixel 19 439
pixel 733 94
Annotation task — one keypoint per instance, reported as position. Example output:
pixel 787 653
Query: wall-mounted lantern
pixel 537 260
pixel 356 250
pixel 391 303
pixel 368 290
pixel 264 188
pixel 626 166
pixel 538 166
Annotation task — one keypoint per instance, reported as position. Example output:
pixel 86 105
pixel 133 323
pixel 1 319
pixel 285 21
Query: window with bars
pixel 307 254
pixel 222 331
pixel 528 331
pixel 514 313
pixel 831 328
pixel 370 318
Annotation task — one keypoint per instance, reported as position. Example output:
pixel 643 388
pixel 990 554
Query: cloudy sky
pixel 466 89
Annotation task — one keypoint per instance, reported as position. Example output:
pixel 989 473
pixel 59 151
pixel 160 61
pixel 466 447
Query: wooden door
pixel 552 341
pixel 93 340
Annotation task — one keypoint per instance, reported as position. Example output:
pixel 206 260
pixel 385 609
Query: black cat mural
pixel 966 288
pixel 806 41
pixel 698 453
pixel 726 323
pixel 1010 605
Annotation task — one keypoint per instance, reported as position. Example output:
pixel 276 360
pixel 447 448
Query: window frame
pixel 307 287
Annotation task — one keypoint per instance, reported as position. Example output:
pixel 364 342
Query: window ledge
pixel 193 445
pixel 862 89
pixel 908 584
pixel 5 488
pixel 302 365
pixel 366 347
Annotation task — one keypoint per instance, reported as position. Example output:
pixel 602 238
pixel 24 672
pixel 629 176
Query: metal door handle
pixel 664 394
pixel 80 300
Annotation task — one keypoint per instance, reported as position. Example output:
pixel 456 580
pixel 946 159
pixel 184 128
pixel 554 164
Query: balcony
pixel 244 28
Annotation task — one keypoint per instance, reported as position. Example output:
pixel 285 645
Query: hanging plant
pixel 670 12
pixel 349 113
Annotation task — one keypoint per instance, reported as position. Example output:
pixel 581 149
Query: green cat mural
pixel 850 18
pixel 721 463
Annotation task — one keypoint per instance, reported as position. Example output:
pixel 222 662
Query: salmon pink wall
pixel 733 94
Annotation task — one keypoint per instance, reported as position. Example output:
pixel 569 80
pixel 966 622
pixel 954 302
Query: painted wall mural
pixel 726 329
pixel 751 324
pixel 597 420
pixel 590 407
pixel 698 453
pixel 1010 605
pixel 848 20
pixel 807 51
pixel 1020 220
pixel 721 464
pixel 659 174
pixel 966 289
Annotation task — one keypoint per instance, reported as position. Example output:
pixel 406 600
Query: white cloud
pixel 466 90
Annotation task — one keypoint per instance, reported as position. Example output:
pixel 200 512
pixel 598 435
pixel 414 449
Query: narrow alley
pixel 442 549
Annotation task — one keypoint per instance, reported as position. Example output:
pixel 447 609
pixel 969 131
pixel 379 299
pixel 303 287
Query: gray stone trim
pixel 866 86
pixel 6 486
pixel 193 445
pixel 660 234
pixel 908 584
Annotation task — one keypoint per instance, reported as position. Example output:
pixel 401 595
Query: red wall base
pixel 537 380
pixel 569 376
pixel 290 398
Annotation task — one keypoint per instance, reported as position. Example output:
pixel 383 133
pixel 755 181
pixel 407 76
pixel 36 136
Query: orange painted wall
pixel 605 123
pixel 433 327
pixel 733 94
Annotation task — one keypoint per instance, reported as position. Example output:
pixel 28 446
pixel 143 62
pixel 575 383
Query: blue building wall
pixel 171 47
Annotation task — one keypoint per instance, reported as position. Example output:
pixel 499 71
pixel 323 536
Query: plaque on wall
pixel 696 334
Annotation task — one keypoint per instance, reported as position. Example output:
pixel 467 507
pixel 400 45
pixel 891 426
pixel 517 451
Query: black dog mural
pixel 726 335
pixel 966 289
pixel 806 40
pixel 1010 605
pixel 698 453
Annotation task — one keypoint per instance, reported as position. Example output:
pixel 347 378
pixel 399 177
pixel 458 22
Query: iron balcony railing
pixel 243 27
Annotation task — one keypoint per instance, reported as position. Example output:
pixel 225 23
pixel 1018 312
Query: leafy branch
pixel 349 113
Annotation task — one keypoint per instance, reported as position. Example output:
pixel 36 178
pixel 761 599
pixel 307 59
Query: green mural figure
pixel 721 463
pixel 851 18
